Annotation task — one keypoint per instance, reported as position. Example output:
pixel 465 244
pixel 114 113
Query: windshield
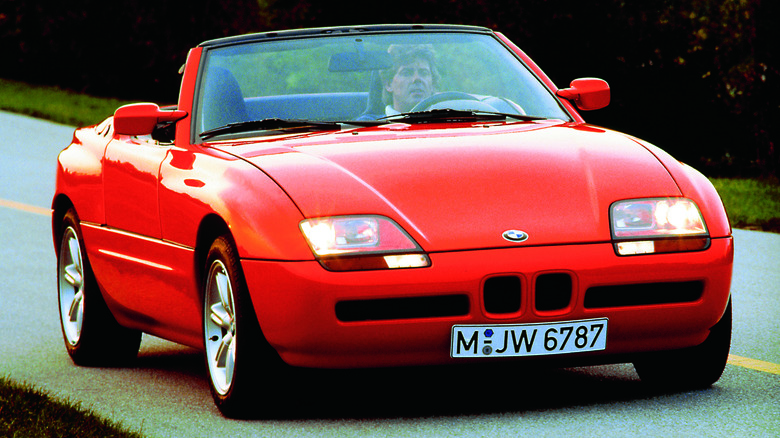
pixel 364 78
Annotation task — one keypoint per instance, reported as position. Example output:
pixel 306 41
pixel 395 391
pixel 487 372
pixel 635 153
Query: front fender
pixel 259 214
pixel 697 187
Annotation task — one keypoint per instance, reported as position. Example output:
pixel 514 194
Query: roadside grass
pixel 55 104
pixel 28 412
pixel 752 204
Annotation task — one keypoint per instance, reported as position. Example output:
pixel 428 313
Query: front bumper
pixel 405 317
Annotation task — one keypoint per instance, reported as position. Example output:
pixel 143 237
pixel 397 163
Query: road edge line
pixel 24 207
pixel 754 364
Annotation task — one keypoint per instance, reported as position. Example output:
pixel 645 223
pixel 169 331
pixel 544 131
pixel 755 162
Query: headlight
pixel 657 225
pixel 346 243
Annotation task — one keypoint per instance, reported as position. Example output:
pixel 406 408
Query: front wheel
pixel 692 368
pixel 92 335
pixel 239 360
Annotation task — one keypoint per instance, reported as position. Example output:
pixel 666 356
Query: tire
pixel 92 335
pixel 692 368
pixel 239 360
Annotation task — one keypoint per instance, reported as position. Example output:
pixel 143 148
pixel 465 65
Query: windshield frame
pixel 323 33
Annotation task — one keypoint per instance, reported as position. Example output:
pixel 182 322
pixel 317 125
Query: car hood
pixel 463 187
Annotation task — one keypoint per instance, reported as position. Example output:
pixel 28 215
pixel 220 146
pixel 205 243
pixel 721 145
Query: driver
pixel 412 78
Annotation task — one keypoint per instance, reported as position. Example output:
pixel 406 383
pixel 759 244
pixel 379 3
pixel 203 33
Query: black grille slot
pixel 553 292
pixel 502 294
pixel 402 308
pixel 645 294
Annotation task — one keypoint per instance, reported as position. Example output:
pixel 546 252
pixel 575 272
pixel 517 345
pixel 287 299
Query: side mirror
pixel 141 118
pixel 587 93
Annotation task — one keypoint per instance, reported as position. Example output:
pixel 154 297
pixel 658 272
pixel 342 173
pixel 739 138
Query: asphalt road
pixel 166 394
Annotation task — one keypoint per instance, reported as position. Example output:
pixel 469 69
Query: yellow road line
pixel 753 364
pixel 24 207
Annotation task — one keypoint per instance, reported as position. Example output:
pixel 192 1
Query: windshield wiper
pixel 431 116
pixel 270 125
pixel 451 115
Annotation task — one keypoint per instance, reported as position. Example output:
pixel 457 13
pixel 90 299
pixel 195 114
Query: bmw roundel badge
pixel 515 235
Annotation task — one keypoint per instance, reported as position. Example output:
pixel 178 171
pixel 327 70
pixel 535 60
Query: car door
pixel 148 281
pixel 131 168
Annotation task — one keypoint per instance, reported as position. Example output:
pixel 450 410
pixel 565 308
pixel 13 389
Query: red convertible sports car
pixel 385 196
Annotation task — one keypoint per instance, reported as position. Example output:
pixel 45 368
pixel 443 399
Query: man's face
pixel 411 84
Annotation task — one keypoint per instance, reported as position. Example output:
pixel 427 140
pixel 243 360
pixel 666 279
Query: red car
pixel 385 196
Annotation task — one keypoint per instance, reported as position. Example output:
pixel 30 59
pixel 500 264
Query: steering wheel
pixel 442 97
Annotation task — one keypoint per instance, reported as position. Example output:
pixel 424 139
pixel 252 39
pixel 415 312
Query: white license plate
pixel 503 340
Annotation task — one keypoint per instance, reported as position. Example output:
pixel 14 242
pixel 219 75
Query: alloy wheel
pixel 220 327
pixel 71 286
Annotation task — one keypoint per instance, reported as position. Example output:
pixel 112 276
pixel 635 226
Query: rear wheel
pixel 692 368
pixel 92 335
pixel 237 355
